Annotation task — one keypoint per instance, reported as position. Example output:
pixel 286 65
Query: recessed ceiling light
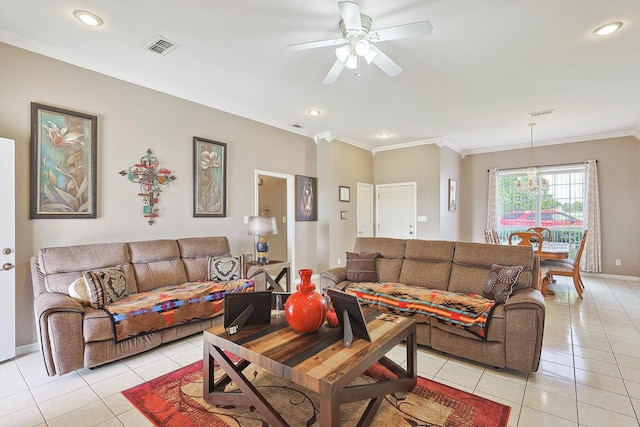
pixel 313 112
pixel 606 29
pixel 384 135
pixel 88 18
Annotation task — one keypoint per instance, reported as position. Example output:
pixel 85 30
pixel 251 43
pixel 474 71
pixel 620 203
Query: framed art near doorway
pixel 453 190
pixel 344 194
pixel 306 198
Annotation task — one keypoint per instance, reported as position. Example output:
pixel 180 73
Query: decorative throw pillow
pixel 223 268
pixel 362 267
pixel 499 284
pixel 106 286
pixel 79 292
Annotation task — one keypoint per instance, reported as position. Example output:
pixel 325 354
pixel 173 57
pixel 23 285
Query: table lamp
pixel 262 226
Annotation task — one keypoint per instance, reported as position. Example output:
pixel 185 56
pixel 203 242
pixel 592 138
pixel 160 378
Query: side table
pixel 279 269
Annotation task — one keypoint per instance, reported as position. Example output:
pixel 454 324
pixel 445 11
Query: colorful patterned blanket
pixel 468 311
pixel 168 306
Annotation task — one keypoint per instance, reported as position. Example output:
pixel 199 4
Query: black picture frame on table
pixel 63 175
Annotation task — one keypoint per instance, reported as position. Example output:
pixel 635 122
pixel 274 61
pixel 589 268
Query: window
pixel 559 207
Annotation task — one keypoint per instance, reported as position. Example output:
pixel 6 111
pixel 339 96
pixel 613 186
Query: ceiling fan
pixel 358 40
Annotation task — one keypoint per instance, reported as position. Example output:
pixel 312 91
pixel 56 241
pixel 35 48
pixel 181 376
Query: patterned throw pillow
pixel 105 287
pixel 223 268
pixel 362 267
pixel 499 284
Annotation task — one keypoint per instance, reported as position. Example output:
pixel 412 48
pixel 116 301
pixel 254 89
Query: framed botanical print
pixel 63 163
pixel 306 198
pixel 209 178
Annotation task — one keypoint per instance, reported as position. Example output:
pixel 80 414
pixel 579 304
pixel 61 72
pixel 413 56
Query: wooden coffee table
pixel 317 361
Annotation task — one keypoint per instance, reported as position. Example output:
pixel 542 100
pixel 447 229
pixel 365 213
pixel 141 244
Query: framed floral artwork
pixel 63 163
pixel 209 178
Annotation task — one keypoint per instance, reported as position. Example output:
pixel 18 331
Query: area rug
pixel 175 399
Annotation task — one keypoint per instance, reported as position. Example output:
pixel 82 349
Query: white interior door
pixel 397 210
pixel 365 210
pixel 7 249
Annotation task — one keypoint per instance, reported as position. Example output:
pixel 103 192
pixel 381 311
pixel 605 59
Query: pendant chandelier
pixel 531 183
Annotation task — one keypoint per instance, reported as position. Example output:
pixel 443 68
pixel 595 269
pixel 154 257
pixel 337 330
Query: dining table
pixel 551 251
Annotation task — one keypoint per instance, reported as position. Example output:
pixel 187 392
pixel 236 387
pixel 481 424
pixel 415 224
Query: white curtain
pixel 492 202
pixel 591 258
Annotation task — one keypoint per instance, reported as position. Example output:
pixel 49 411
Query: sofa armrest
pixel 59 323
pixel 525 315
pixel 331 278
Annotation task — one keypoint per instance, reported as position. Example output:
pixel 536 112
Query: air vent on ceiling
pixel 541 113
pixel 296 126
pixel 160 45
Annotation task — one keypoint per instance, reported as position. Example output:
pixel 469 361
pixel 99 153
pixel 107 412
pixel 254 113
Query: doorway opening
pixel 275 196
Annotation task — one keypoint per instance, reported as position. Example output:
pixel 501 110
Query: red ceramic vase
pixel 306 309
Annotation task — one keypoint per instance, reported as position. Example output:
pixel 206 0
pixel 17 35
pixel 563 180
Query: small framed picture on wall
pixel 453 190
pixel 344 194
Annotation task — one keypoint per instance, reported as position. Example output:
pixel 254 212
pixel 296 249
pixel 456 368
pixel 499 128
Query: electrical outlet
pixel 339 261
pixel 618 262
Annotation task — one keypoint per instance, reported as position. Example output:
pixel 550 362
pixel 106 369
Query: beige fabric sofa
pixel 73 336
pixel 514 336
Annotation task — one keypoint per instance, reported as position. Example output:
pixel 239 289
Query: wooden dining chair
pixel 487 236
pixel 564 268
pixel 545 232
pixel 526 238
pixel 496 237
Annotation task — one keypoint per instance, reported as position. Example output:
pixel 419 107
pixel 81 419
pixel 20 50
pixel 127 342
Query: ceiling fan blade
pixel 314 45
pixel 350 15
pixel 334 72
pixel 417 29
pixel 385 63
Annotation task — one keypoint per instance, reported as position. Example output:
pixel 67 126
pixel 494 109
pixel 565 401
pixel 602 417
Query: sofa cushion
pixel 223 268
pixel 472 261
pixel 157 263
pixel 62 265
pixel 391 255
pixel 362 267
pixel 106 286
pixel 499 284
pixel 195 252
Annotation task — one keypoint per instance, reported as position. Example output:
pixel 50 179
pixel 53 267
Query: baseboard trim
pixel 612 276
pixel 26 349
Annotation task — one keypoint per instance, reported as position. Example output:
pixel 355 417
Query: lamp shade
pixel 262 226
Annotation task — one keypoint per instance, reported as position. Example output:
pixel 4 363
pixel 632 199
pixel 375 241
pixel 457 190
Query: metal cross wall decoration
pixel 150 177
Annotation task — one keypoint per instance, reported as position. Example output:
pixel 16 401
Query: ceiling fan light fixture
pixel 88 18
pixel 607 29
pixel 363 47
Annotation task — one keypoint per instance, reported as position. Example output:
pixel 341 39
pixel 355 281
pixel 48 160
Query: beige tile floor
pixel 589 374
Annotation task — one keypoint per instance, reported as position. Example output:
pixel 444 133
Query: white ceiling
pixel 470 84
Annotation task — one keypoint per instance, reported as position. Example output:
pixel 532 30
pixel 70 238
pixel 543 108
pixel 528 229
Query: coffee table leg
pixel 249 395
pixel 329 411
